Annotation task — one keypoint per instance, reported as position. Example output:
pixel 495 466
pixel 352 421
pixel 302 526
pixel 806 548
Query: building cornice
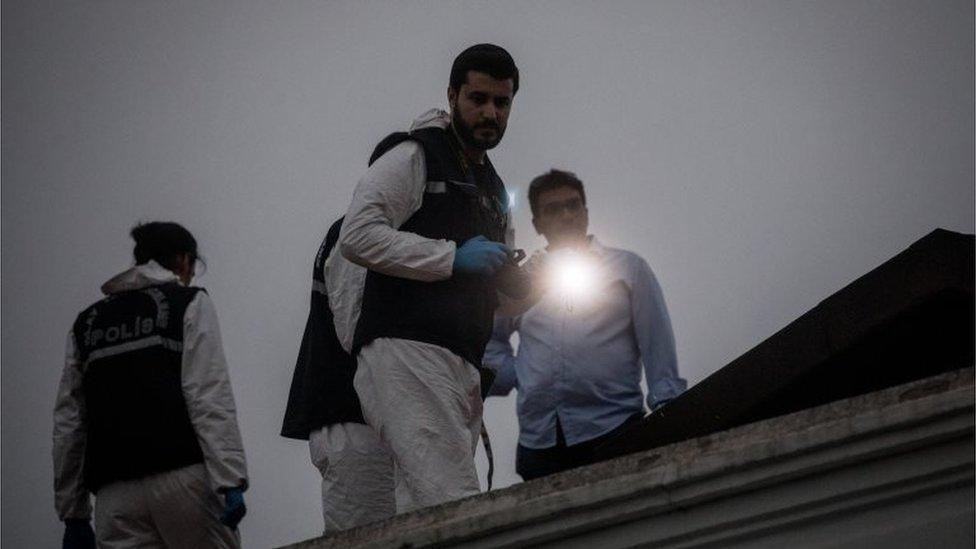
pixel 765 479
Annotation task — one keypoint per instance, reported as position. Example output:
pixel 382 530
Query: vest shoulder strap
pixel 388 143
pixel 436 147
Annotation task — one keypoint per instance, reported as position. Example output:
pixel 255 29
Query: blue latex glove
pixel 234 508
pixel 480 256
pixel 78 534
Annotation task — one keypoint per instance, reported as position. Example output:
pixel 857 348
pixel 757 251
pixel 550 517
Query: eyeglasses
pixel 573 206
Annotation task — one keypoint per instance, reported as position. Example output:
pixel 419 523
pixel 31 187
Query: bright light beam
pixel 573 275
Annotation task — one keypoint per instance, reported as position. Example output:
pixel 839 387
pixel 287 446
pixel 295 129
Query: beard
pixel 466 133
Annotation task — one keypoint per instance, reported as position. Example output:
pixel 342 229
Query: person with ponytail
pixel 145 418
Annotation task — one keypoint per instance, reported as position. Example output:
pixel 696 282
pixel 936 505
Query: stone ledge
pixel 759 456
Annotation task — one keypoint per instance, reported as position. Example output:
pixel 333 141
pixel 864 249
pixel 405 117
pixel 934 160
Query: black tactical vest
pixel 455 313
pixel 322 391
pixel 130 345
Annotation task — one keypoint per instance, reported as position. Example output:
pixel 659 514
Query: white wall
pixel 759 154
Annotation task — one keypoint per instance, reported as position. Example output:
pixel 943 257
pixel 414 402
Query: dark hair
pixel 553 179
pixel 162 241
pixel 487 58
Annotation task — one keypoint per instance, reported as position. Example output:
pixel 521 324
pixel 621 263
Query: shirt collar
pixel 593 245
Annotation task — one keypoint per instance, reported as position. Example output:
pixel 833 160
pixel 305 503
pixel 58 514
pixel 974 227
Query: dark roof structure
pixel 908 319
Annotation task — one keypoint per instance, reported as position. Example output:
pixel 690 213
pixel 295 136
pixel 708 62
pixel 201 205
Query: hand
pixel 536 264
pixel 234 508
pixel 521 290
pixel 480 256
pixel 78 534
pixel 513 281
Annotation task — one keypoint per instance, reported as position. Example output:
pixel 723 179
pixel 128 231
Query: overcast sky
pixel 759 154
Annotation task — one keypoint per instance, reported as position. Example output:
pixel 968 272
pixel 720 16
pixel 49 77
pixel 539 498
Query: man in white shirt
pixel 600 320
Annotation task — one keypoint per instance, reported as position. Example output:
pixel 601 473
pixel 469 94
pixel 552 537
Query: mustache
pixel 488 125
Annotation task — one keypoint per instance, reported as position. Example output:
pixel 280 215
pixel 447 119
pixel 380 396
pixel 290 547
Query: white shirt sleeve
pixel 209 398
pixel 655 338
pixel 71 498
pixel 500 357
pixel 389 193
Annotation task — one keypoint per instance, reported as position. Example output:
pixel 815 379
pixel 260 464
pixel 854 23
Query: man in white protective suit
pixel 427 227
pixel 357 472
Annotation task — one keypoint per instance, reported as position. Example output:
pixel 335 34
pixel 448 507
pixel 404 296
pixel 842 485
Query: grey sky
pixel 759 154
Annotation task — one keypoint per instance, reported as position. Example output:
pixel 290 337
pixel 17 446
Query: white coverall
pixel 423 400
pixel 358 481
pixel 178 508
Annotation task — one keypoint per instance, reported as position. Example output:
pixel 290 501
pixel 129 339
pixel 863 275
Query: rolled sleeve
pixel 655 338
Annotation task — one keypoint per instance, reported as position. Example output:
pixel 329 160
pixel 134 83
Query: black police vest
pixel 455 313
pixel 322 391
pixel 130 345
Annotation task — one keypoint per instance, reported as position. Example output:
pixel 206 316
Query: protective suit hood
pixel 140 276
pixel 438 118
